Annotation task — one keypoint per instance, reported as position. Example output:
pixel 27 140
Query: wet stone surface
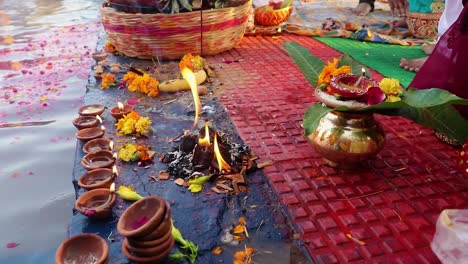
pixel 203 217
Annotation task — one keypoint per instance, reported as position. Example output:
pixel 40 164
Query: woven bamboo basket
pixel 272 17
pixel 170 36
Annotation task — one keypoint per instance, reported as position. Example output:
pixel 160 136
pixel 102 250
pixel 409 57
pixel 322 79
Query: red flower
pixel 375 95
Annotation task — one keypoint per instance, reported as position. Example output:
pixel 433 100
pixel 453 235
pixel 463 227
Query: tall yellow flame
pixel 112 187
pixel 206 140
pixel 120 105
pixel 188 75
pixel 115 171
pixel 222 164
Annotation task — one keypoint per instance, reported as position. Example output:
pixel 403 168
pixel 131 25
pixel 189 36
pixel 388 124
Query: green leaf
pixel 313 116
pixel 185 4
pixel 286 3
pixel 309 65
pixel 356 67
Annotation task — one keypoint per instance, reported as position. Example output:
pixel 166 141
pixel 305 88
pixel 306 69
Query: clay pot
pixel 85 122
pixel 153 259
pixel 96 204
pixel 99 56
pixel 91 110
pixel 95 179
pixel 151 251
pixel 150 243
pixel 83 248
pixel 346 85
pixel 119 113
pixel 99 159
pixel 87 134
pixel 96 145
pixel 423 25
pixel 161 229
pixel 152 208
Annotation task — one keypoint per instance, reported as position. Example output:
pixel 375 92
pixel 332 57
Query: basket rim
pixel 290 6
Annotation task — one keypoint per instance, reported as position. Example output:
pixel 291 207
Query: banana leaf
pixel 356 67
pixel 313 116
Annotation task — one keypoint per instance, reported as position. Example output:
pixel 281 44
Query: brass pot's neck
pixel 351 119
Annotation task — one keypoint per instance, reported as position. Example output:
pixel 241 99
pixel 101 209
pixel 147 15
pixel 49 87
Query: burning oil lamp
pixel 88 134
pixel 203 152
pixel 97 145
pixel 97 203
pixel 120 110
pixel 91 110
pixel 95 179
pixel 98 159
pixel 222 164
pixel 351 86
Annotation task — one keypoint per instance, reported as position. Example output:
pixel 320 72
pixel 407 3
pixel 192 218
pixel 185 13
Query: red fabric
pixel 447 67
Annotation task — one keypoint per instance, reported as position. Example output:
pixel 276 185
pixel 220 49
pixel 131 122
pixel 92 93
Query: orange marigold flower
pixel 330 70
pixel 239 229
pixel 108 80
pixel 217 250
pixel 244 257
pixel 141 83
pixel 194 63
pixel 242 220
pixel 109 47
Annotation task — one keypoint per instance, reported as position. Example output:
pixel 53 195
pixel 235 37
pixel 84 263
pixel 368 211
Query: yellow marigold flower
pixel 390 86
pixel 392 98
pixel 108 80
pixel 128 193
pixel 142 125
pixel 126 152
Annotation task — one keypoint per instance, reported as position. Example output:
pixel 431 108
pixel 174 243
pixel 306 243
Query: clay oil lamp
pixel 83 248
pixel 98 159
pixel 97 145
pixel 91 133
pixel 120 110
pixel 351 86
pixel 99 56
pixel 91 110
pixel 97 203
pixel 98 178
pixel 82 122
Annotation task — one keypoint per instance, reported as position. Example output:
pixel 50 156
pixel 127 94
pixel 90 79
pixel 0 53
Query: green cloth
pixel 383 58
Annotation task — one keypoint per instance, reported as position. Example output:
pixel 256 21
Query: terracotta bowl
pixel 161 229
pixel 99 159
pixel 95 179
pixel 149 243
pixel 117 113
pixel 151 251
pixel 153 259
pixel 91 110
pixel 96 203
pixel 85 122
pixel 343 85
pixel 83 248
pixel 423 25
pixel 87 134
pixel 99 56
pixel 96 145
pixel 153 208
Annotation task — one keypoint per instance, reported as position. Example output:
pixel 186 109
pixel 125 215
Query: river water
pixel 45 48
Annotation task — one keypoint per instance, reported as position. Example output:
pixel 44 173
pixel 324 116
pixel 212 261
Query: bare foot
pixel 362 9
pixel 428 48
pixel 413 64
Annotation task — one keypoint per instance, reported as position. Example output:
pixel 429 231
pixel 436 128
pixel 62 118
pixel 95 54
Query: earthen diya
pixel 98 159
pixel 96 204
pixel 88 134
pixel 97 145
pixel 119 111
pixel 95 179
pixel 91 110
pixel 82 122
pixel 83 248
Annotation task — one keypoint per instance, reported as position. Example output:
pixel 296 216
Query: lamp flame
pixel 120 105
pixel 222 164
pixel 363 71
pixel 103 128
pixel 188 75
pixel 114 156
pixel 99 118
pixel 111 145
pixel 112 187
pixel 115 171
pixel 206 140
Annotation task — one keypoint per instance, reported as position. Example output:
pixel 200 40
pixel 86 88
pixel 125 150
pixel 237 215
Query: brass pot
pixel 344 139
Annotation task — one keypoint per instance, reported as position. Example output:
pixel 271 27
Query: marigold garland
pixel 133 123
pixel 143 83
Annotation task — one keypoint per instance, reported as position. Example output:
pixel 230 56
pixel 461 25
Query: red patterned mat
pixel 384 212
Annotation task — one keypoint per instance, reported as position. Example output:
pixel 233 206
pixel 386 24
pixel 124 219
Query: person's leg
pixel 364 7
pixel 451 13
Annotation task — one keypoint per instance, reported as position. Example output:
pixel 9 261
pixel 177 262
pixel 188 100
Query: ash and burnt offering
pixel 211 152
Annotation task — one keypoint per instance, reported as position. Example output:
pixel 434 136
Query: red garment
pixel 447 66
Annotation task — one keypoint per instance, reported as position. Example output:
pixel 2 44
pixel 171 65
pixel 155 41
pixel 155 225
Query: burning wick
pixel 188 75
pixel 120 106
pixel 222 164
pixel 111 145
pixel 358 81
pixel 103 128
pixel 99 118
pixel 115 172
pixel 115 156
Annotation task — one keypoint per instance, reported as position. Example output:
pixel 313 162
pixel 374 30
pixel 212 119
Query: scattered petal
pixel 217 250
pixel 12 245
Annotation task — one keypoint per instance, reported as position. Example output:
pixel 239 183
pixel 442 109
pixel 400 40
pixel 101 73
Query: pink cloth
pixel 446 68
